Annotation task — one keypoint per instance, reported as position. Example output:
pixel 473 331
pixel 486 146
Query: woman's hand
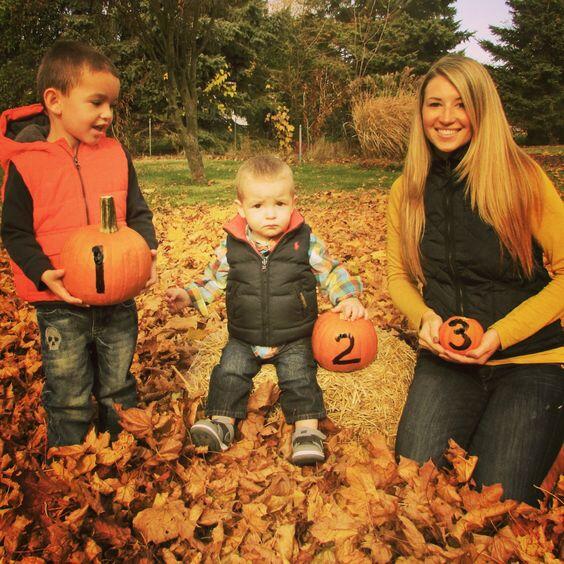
pixel 489 344
pixel 429 332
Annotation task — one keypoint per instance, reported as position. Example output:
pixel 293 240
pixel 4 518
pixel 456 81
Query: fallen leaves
pixel 151 496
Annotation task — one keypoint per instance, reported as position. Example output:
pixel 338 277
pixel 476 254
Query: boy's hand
pixel 177 299
pixel 351 309
pixel 154 274
pixel 53 279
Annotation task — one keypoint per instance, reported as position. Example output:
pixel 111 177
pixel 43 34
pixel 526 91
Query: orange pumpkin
pixel 105 264
pixel 343 346
pixel 460 334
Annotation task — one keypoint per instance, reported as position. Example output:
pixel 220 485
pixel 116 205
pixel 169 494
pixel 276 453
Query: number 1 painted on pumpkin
pixel 98 253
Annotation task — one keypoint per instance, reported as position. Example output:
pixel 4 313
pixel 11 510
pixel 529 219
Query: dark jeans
pixel 511 417
pixel 86 351
pixel 231 381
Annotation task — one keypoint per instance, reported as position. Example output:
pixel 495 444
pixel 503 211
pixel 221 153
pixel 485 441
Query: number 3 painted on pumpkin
pixel 339 359
pixel 462 332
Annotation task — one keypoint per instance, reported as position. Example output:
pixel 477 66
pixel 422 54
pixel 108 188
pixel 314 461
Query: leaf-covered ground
pixel 151 497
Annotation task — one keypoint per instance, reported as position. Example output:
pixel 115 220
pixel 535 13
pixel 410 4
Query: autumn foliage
pixel 151 496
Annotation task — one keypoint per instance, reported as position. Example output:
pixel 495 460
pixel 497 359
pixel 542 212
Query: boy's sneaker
pixel 307 447
pixel 216 434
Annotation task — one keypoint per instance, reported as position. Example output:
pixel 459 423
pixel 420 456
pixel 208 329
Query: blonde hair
pixel 262 167
pixel 503 182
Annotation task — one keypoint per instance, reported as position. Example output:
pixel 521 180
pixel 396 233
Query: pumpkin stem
pixel 108 215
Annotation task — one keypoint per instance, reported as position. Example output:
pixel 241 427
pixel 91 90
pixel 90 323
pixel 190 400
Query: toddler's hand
pixel 177 299
pixel 351 309
pixel 53 279
pixel 154 274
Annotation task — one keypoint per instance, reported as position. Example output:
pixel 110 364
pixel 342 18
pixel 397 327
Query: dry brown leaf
pixel 477 518
pixel 167 522
pixel 139 422
pixel 110 533
pixel 414 537
pixel 285 542
pixel 335 525
pixel 182 323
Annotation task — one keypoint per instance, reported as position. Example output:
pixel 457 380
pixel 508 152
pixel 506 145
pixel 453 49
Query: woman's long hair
pixel 503 182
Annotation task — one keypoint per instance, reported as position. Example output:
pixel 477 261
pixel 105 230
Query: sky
pixel 478 15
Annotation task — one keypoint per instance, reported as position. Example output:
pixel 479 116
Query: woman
pixel 468 222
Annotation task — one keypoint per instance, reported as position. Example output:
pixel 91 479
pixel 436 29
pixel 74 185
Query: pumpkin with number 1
pixel 460 334
pixel 340 345
pixel 105 264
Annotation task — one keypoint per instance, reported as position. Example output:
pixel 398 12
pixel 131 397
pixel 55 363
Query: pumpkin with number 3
pixel 340 345
pixel 460 334
pixel 105 264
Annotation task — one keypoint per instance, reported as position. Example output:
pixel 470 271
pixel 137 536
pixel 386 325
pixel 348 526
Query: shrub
pixel 382 107
pixel 382 124
pixel 248 147
pixel 324 150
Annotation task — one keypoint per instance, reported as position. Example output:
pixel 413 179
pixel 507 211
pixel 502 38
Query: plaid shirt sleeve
pixel 332 278
pixel 205 289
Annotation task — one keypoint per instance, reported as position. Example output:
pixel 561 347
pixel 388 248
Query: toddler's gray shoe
pixel 307 447
pixel 217 435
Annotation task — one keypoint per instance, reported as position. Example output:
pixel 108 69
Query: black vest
pixel 271 301
pixel 465 269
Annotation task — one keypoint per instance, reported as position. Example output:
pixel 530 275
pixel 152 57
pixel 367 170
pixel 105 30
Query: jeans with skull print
pixel 85 352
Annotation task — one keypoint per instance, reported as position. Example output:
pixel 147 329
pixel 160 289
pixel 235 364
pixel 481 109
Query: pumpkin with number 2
pixel 460 334
pixel 105 264
pixel 340 345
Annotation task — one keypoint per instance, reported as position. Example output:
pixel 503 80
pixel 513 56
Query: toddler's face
pixel 86 111
pixel 267 206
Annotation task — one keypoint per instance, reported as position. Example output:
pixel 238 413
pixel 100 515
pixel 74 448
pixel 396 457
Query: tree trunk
pixel 193 155
pixel 189 138
pixel 188 133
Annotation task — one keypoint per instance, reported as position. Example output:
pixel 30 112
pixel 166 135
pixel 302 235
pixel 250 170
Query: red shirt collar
pixel 237 225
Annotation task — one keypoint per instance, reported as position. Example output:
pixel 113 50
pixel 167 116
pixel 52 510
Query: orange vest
pixel 65 190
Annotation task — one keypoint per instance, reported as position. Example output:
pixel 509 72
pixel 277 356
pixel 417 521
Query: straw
pixel 364 401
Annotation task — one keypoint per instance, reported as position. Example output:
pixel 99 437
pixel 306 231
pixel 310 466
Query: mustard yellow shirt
pixel 526 319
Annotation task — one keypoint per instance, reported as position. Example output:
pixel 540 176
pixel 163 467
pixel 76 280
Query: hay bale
pixel 364 401
pixel 382 124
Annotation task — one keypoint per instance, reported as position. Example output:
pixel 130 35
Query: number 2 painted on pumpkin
pixel 462 332
pixel 339 359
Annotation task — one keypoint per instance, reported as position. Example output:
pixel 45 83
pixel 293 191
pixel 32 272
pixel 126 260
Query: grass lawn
pixel 168 180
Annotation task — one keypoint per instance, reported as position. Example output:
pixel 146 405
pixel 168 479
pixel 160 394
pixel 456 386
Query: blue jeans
pixel 231 381
pixel 511 417
pixel 86 351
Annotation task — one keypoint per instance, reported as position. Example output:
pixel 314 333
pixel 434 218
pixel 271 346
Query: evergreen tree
pixel 387 36
pixel 530 78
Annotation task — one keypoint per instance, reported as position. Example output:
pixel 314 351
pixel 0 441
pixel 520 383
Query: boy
pixel 269 264
pixel 59 162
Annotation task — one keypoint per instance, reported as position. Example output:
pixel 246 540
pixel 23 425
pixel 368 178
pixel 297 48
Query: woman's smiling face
pixel 445 121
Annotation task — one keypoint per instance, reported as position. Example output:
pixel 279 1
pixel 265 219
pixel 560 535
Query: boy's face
pixel 267 206
pixel 83 114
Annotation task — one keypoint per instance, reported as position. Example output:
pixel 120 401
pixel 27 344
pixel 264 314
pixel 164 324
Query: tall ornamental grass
pixel 381 116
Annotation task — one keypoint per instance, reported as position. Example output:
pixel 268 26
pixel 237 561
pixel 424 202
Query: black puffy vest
pixel 465 270
pixel 271 301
